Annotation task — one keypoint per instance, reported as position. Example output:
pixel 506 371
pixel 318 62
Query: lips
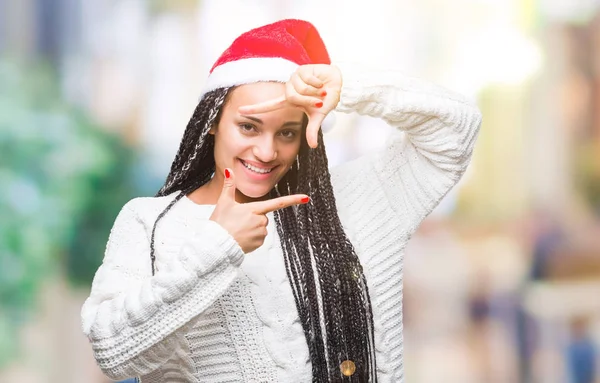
pixel 262 170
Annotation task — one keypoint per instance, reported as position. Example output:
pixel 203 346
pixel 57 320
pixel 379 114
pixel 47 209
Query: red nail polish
pixel 227 173
pixel 319 104
pixel 305 200
pixel 324 93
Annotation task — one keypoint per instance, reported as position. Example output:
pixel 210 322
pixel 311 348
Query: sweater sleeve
pixel 133 320
pixel 437 132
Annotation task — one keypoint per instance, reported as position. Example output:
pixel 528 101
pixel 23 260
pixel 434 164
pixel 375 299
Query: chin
pixel 254 192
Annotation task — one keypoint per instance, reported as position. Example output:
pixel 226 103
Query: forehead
pixel 250 94
pixel 254 93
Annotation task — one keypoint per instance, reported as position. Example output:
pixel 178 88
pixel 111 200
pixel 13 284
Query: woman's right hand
pixel 315 88
pixel 247 222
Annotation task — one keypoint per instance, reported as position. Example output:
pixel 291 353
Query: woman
pixel 253 263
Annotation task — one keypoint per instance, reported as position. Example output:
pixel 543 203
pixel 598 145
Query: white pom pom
pixel 328 122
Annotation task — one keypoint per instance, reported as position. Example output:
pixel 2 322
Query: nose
pixel 265 150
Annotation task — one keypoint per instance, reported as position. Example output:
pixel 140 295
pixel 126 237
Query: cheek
pixel 290 153
pixel 228 144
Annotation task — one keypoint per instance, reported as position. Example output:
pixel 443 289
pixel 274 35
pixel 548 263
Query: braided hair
pixel 327 279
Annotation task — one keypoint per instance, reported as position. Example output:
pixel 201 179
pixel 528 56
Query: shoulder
pixel 145 208
pixel 136 218
pixel 142 203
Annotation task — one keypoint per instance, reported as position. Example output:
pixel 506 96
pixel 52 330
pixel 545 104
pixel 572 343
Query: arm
pixel 134 320
pixel 419 167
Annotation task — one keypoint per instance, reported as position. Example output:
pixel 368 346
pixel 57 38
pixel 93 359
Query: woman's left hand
pixel 314 88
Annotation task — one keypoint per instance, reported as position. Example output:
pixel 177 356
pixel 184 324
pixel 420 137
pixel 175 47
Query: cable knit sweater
pixel 214 314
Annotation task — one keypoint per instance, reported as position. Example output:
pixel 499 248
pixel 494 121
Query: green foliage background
pixel 63 181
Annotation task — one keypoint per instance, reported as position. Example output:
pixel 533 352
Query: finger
pixel 262 220
pixel 263 207
pixel 312 129
pixel 267 106
pixel 305 102
pixel 228 192
pixel 305 89
pixel 308 76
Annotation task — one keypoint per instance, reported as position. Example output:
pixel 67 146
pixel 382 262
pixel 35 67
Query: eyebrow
pixel 259 121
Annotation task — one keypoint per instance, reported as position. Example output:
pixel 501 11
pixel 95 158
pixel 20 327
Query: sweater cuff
pixel 226 242
pixel 211 239
pixel 355 87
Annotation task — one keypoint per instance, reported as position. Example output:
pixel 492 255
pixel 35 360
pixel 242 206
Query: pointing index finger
pixel 263 107
pixel 263 207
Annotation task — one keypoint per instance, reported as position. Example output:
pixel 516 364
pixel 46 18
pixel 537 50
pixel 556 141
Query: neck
pixel 209 193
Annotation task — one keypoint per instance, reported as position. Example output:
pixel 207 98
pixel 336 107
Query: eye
pixel 288 134
pixel 247 128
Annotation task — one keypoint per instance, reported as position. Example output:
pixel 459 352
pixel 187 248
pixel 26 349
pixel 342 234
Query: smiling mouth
pixel 257 169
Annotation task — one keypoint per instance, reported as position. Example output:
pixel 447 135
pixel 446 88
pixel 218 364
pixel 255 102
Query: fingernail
pixel 324 93
pixel 227 173
pixel 319 104
pixel 305 200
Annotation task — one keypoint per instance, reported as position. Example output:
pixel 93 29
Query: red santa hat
pixel 269 53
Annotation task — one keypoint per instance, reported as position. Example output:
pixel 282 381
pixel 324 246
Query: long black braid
pixel 324 271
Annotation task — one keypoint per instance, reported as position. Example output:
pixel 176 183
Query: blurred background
pixel 502 281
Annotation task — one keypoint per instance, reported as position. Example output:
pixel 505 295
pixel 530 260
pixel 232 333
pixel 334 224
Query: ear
pixel 213 129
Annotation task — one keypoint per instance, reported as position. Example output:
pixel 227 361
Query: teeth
pixel 257 170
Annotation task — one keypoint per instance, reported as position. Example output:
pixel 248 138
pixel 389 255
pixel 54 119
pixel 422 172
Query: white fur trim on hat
pixel 250 70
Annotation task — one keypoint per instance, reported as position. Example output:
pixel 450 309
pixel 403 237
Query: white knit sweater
pixel 214 314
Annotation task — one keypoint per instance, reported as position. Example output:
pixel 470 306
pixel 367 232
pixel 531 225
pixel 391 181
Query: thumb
pixel 228 193
pixel 312 129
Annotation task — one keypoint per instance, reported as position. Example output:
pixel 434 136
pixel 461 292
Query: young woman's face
pixel 259 148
